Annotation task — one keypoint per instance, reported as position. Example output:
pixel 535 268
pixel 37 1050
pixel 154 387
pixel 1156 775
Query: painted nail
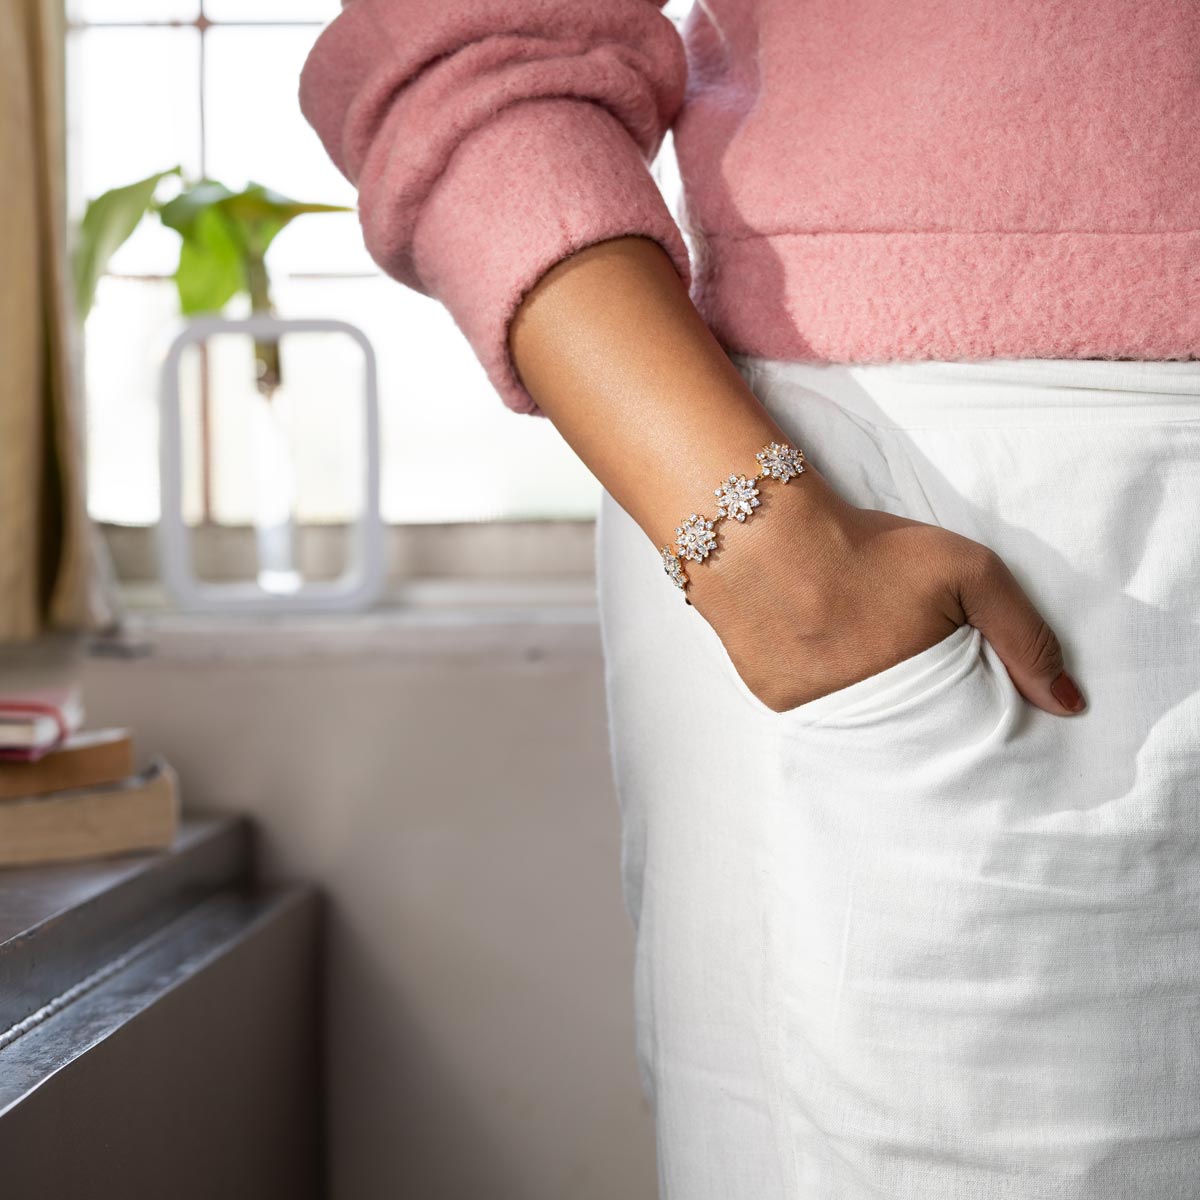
pixel 1066 692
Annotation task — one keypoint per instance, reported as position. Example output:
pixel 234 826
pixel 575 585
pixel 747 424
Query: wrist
pixel 796 525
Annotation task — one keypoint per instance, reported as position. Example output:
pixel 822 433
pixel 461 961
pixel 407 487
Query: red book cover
pixel 37 720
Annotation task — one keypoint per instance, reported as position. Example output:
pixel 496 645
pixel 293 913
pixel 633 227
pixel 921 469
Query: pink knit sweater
pixel 864 180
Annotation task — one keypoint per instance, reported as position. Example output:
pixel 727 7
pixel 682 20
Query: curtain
pixel 55 574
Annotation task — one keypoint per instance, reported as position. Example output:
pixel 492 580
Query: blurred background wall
pixel 450 789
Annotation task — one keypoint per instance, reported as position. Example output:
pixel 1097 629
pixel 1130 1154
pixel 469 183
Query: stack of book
pixel 69 793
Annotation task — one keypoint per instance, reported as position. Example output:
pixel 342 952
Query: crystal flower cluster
pixel 673 565
pixel 695 538
pixel 737 498
pixel 780 462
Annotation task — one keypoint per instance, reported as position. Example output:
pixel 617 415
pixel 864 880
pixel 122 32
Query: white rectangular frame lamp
pixel 365 575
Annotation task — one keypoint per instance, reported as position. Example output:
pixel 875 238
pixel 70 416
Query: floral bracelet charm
pixel 780 462
pixel 673 565
pixel 695 538
pixel 737 497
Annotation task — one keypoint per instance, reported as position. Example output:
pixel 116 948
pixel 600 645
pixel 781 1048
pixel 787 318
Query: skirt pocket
pixel 960 672
pixel 904 683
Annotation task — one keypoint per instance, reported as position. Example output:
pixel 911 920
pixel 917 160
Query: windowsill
pixel 483 551
pixel 429 619
pixel 509 590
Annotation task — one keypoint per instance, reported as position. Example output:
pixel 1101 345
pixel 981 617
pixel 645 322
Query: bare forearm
pixel 611 347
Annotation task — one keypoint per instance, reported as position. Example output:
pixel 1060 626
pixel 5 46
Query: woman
pixel 914 919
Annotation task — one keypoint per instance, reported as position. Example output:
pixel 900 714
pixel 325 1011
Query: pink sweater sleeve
pixel 489 139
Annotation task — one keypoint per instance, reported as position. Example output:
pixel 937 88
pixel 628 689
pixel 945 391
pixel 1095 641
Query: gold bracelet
pixel 737 497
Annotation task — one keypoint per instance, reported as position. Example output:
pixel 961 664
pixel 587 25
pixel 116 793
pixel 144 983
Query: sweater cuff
pixel 544 178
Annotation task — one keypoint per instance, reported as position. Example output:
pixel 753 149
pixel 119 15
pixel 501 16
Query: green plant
pixel 224 238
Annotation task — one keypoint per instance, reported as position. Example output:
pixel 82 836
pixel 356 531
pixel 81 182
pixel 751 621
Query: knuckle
pixel 980 576
pixel 983 564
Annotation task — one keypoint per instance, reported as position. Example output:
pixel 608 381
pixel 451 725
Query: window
pixel 211 85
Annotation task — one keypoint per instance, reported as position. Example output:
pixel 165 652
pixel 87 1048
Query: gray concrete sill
pixel 523 620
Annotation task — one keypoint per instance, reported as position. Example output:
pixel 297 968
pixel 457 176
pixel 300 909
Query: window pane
pixel 436 400
pixel 255 131
pixel 133 10
pixel 134 108
pixel 130 325
pixel 135 96
pixel 272 10
pixel 434 396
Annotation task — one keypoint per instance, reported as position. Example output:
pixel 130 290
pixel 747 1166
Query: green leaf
pixel 107 224
pixel 225 239
pixel 182 212
pixel 257 193
pixel 211 265
pixel 261 213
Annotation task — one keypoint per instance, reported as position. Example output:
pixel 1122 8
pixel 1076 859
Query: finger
pixel 996 604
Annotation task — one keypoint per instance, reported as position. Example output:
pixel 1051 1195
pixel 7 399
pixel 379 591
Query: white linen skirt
pixel 917 939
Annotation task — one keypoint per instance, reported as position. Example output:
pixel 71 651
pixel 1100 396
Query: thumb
pixel 996 604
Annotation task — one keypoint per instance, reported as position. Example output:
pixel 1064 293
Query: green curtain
pixel 55 574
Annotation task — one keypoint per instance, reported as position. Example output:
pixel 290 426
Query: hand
pixel 813 594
